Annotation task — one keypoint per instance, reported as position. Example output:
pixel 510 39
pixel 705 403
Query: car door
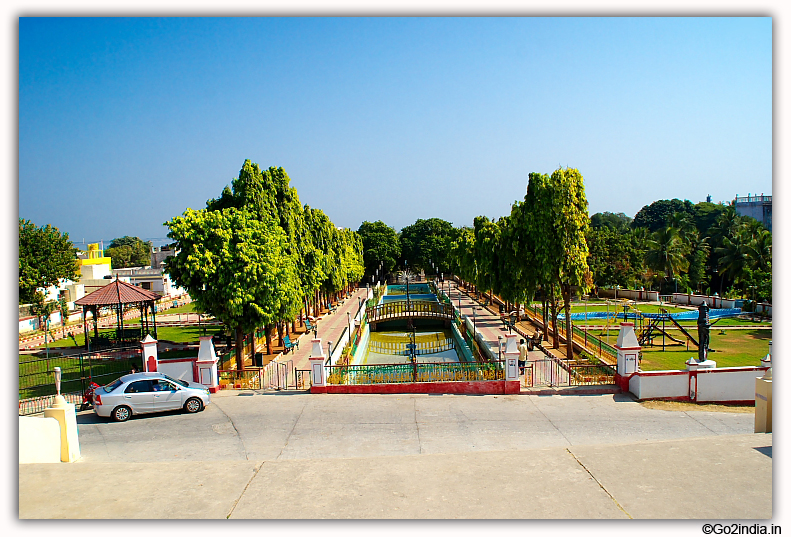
pixel 166 395
pixel 139 396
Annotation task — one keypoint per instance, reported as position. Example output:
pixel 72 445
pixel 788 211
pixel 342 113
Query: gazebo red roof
pixel 117 292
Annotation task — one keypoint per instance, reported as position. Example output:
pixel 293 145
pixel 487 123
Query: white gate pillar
pixel 318 376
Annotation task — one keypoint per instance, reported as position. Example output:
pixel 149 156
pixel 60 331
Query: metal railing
pixel 246 379
pixel 418 372
pixel 581 375
pixel 37 382
pixel 409 308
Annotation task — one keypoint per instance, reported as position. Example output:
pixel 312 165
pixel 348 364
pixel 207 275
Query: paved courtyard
pixel 296 455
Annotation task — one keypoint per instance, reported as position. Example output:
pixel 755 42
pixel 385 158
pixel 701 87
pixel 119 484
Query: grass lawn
pixel 186 308
pixel 733 348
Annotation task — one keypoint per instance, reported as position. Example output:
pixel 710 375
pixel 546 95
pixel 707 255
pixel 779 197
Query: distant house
pixel 759 207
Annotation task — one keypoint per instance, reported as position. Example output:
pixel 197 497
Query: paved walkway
pixel 290 455
pixel 329 328
pixel 486 322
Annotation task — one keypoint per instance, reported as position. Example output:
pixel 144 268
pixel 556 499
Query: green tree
pixel 427 240
pixel 42 309
pixel 380 245
pixel 615 221
pixel 613 257
pixel 129 252
pixel 655 215
pixel 234 266
pixel 45 258
pixel 666 253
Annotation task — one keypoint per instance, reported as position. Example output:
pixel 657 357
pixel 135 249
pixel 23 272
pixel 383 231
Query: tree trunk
pixel 554 306
pixel 544 311
pixel 239 349
pixel 268 334
pixel 252 347
pixel 280 331
pixel 569 333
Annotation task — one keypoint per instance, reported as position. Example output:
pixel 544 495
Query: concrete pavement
pixel 297 455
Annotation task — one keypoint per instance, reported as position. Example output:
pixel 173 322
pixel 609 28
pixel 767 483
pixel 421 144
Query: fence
pixel 553 372
pixel 246 379
pixel 416 372
pixel 37 382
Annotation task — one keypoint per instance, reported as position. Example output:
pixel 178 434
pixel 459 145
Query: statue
pixel 703 331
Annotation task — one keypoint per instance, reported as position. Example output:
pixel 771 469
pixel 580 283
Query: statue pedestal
pixel 693 364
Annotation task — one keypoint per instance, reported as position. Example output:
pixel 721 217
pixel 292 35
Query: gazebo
pixel 119 294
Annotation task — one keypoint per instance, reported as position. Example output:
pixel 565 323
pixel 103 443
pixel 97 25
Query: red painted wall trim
pixel 485 387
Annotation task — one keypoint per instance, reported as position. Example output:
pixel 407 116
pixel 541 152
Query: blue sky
pixel 124 123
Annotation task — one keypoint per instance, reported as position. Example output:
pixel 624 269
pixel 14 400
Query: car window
pixel 177 381
pixel 113 385
pixel 139 386
pixel 162 385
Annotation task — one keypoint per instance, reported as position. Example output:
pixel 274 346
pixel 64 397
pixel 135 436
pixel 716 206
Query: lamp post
pixel 500 347
pixel 349 322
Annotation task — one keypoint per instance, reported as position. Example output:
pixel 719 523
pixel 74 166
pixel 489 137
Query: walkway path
pixel 486 322
pixel 329 328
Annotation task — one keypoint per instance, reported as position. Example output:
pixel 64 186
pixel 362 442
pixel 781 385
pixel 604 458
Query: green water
pixel 389 347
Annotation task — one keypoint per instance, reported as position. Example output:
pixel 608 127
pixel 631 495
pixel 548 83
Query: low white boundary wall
pixel 718 385
pixel 631 294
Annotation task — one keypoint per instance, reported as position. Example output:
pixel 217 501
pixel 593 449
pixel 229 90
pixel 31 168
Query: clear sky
pixel 124 123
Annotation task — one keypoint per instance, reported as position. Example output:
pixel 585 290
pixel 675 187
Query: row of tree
pixel 255 257
pixel 539 249
pixel 548 245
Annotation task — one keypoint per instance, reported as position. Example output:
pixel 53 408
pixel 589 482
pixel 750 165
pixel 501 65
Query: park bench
pixel 330 307
pixel 288 344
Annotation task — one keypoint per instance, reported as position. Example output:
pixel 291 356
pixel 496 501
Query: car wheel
pixel 193 405
pixel 122 413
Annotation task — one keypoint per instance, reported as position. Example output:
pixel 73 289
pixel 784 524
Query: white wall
pixel 659 384
pixel 697 300
pixel 39 440
pixel 631 294
pixel 728 383
pixel 177 370
pixel 719 384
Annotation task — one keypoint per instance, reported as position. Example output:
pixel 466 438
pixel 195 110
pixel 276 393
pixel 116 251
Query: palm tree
pixel 666 252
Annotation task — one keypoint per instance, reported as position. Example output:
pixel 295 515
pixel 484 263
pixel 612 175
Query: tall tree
pixel 569 214
pixel 666 253
pixel 427 240
pixel 45 258
pixel 380 245
pixel 234 266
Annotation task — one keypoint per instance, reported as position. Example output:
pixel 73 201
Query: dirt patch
pixel 684 407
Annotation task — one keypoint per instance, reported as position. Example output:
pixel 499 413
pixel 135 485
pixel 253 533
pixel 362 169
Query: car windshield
pixel 177 381
pixel 113 385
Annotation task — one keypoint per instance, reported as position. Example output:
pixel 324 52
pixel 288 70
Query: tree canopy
pixel 45 257
pixel 129 252
pixel 380 245
pixel 655 215
pixel 285 252
pixel 427 241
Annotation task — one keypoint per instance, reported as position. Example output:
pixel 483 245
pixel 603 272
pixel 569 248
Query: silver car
pixel 142 393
